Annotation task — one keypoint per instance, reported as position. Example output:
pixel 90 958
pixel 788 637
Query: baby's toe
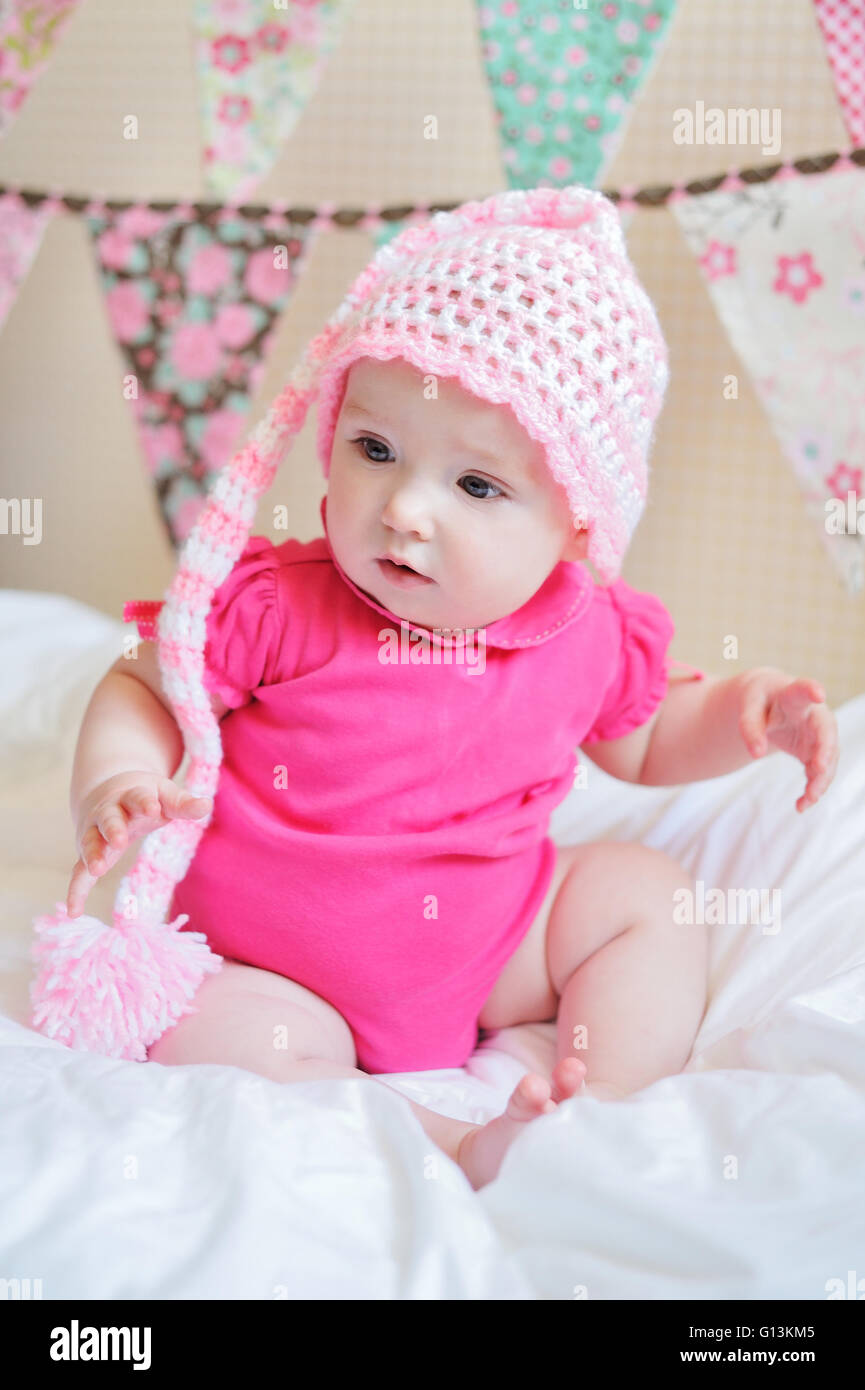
pixel 530 1098
pixel 568 1076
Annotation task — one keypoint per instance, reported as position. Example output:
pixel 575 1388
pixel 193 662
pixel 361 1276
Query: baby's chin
pixel 436 617
pixel 447 622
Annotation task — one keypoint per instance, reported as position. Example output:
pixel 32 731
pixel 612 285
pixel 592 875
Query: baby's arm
pixel 708 728
pixel 129 748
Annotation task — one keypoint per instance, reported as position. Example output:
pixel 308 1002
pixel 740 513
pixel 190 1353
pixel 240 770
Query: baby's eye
pixel 484 482
pixel 365 439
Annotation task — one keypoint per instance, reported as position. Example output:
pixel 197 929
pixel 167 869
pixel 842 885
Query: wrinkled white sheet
pixel 740 1178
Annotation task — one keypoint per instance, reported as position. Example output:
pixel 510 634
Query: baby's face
pixel 452 486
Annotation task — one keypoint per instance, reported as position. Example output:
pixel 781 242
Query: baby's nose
pixel 410 511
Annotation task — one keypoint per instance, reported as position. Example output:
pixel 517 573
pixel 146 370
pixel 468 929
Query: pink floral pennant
pixel 193 297
pixel 784 263
pixel 258 66
pixel 843 25
pixel 29 30
pixel 21 231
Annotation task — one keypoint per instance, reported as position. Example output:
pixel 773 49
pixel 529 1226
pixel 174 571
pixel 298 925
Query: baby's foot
pixel 482 1149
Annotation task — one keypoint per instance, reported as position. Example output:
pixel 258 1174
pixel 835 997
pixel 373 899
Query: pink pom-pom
pixel 114 990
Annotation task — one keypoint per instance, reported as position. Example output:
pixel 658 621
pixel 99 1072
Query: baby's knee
pixel 664 889
pixel 262 1028
pixel 655 870
pixel 629 876
pixel 658 899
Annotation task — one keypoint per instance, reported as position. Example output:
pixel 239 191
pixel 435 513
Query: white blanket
pixel 739 1178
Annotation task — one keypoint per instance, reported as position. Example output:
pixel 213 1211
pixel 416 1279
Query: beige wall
pixel 725 541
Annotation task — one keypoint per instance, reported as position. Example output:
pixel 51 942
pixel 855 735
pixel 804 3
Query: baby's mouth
pixel 403 576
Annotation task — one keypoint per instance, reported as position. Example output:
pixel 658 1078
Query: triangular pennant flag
pixel 564 82
pixel 21 231
pixel 784 263
pixel 258 63
pixel 193 298
pixel 843 25
pixel 29 29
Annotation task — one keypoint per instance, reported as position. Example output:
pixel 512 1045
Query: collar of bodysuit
pixel 562 598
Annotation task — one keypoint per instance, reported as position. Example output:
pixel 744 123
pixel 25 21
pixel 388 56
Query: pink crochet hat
pixel 529 299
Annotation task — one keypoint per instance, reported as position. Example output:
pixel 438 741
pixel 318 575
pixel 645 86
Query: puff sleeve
pixel 639 681
pixel 244 627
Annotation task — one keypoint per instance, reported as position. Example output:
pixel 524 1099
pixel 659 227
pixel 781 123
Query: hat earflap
pixel 116 989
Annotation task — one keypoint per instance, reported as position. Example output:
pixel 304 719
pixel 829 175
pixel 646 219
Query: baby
pixel 376 870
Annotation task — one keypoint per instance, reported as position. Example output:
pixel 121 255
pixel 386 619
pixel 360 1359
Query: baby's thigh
pixel 255 1018
pixel 609 887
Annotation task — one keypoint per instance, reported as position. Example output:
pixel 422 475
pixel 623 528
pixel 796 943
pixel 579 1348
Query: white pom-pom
pixel 114 990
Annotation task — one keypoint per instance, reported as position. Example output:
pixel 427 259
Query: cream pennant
pixel 259 62
pixel 784 263
pixel 29 30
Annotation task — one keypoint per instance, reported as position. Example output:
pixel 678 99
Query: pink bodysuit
pixel 379 832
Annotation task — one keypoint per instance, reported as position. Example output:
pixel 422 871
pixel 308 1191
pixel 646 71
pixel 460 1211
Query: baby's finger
pixel 813 785
pixel 79 886
pixel 811 794
pixel 796 702
pixel 111 823
pixel 826 756
pixel 94 852
pixel 821 724
pixel 804 691
pixel 140 801
pixel 185 806
pixel 195 807
pixel 820 767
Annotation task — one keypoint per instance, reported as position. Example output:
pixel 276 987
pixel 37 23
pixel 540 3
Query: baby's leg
pixel 271 1025
pixel 632 982
pixel 632 985
pixel 258 1020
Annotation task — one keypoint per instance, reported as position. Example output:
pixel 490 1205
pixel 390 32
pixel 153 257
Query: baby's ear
pixel 577 545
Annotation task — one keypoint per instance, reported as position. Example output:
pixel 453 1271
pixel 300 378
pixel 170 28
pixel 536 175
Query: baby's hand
pixel 115 813
pixel 791 715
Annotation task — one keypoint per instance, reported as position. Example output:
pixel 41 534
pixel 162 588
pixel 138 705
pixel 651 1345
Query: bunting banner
pixel 29 30
pixel 784 263
pixel 258 64
pixel 843 26
pixel 21 232
pixel 564 81
pixel 192 297
pixel 193 292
